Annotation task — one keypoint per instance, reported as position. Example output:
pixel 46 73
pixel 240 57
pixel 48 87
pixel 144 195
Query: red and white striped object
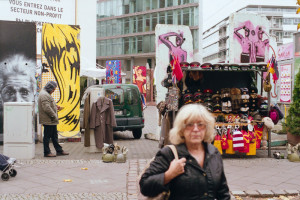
pixel 238 141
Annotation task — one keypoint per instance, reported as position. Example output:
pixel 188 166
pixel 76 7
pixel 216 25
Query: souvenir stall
pixel 229 92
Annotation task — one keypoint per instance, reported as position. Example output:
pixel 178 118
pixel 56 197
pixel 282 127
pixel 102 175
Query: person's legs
pixel 46 139
pixel 54 138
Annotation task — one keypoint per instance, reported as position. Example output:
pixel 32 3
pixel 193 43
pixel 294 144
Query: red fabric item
pixel 258 133
pixel 246 137
pixel 238 141
pixel 176 68
pixel 224 142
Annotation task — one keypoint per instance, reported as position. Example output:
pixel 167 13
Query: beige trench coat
pixel 102 119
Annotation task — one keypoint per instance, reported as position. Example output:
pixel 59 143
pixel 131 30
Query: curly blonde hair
pixel 189 114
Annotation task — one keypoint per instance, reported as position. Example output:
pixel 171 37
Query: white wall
pixel 86 19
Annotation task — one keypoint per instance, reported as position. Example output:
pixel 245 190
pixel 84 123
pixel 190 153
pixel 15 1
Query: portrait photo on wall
pixel 17 63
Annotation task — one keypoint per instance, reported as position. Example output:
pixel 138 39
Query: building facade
pixel 126 30
pixel 280 13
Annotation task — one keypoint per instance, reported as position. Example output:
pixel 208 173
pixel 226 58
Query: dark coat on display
pixel 86 121
pixel 102 119
pixel 208 182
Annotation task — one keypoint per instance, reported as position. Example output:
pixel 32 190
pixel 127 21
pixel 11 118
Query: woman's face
pixel 139 71
pixel 194 132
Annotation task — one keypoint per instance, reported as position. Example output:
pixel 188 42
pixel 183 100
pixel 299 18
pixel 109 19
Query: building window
pixel 170 17
pixel 126 46
pixel 140 24
pixel 169 3
pixel 147 23
pixel 146 43
pixel 155 4
pixel 161 3
pixel 162 18
pixel 186 16
pixel 154 21
pixel 179 17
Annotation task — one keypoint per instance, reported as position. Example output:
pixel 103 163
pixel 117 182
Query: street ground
pixel 83 175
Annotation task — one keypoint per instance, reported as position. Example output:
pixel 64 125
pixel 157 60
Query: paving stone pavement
pixel 44 178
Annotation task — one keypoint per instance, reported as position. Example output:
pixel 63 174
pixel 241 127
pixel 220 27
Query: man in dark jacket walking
pixel 49 118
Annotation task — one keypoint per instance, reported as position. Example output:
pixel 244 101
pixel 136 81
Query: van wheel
pixel 137 133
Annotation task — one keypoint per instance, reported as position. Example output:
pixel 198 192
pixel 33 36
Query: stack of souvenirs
pixel 239 114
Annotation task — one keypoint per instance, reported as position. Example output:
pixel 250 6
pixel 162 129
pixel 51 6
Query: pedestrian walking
pixel 198 173
pixel 49 119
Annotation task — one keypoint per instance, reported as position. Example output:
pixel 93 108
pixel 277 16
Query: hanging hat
pixel 187 97
pixel 184 65
pixel 226 66
pixel 195 64
pixel 234 67
pixel 244 67
pixel 198 96
pixel 217 66
pixel 268 122
pixel 252 90
pixel 206 66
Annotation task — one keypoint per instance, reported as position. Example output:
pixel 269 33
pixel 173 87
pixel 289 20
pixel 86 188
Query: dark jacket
pixel 195 183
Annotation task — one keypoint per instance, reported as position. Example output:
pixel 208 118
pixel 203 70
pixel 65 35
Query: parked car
pixel 128 107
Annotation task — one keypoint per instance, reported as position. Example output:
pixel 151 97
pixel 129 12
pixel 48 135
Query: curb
pixel 265 193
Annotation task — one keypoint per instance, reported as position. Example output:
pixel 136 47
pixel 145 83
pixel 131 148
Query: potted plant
pixel 292 125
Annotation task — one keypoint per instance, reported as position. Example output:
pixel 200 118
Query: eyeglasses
pixel 192 125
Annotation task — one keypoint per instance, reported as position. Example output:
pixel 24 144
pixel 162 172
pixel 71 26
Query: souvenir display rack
pixel 257 68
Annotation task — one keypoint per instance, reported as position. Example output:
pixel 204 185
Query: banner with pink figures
pixel 248 38
pixel 285 83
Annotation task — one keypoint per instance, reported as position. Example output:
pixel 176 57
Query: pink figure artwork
pixel 253 47
pixel 260 46
pixel 174 50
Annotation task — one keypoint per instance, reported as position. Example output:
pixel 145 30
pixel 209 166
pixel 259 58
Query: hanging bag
pixel 165 194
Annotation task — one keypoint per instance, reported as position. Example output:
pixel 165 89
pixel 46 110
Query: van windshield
pixel 116 95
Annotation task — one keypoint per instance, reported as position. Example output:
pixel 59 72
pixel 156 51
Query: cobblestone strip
pixel 135 168
pixel 70 196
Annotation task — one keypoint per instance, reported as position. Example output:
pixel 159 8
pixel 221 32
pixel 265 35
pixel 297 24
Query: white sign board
pixel 46 11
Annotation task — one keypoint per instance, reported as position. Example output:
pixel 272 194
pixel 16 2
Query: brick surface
pixel 292 192
pixel 251 193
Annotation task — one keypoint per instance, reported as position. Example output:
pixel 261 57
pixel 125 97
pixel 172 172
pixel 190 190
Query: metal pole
pixel 269 131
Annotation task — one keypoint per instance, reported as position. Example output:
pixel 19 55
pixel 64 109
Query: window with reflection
pixel 140 44
pixel 162 18
pixel 108 47
pixel 147 4
pixel 170 17
pixel 132 43
pixel 155 4
pixel 126 25
pixel 169 3
pixel 108 28
pixel 179 17
pixel 147 23
pixel 186 17
pixel 154 21
pixel 185 1
pixel 132 21
pixel 102 48
pixel 162 3
pixel 126 46
pixel 140 23
pixel 146 43
pixel 139 6
pixel 152 43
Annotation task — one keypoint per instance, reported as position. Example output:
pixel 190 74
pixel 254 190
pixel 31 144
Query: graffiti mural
pixel 61 63
pixel 249 38
pixel 17 63
pixel 139 78
pixel 113 71
pixel 170 41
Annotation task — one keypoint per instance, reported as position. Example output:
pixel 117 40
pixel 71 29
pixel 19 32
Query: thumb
pixel 182 160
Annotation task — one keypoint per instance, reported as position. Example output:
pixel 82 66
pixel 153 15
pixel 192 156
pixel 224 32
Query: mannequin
pixel 95 93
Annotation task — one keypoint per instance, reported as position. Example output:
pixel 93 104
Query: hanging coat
pixel 86 121
pixel 102 119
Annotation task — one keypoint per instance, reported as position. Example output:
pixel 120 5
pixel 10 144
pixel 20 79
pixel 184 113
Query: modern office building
pixel 126 29
pixel 280 13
